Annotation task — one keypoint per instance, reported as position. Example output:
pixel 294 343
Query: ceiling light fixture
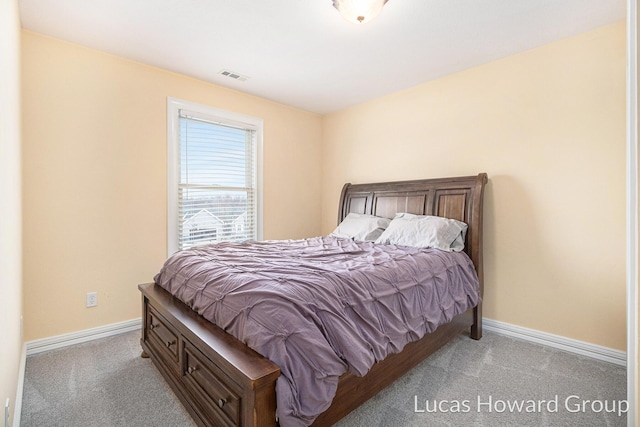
pixel 359 11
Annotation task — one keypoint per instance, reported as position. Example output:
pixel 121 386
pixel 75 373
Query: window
pixel 214 175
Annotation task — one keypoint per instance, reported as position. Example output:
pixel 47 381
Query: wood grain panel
pixel 358 204
pixel 389 205
pixel 354 202
pixel 452 204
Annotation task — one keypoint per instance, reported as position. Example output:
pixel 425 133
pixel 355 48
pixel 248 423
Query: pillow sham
pixel 361 227
pixel 425 231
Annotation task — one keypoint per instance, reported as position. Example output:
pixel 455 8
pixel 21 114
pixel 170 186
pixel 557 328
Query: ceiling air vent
pixel 233 75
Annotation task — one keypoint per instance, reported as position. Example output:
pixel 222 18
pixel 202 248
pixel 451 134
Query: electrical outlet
pixel 92 299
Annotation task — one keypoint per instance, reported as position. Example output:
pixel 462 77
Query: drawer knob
pixel 152 326
pixel 170 343
pixel 221 402
pixel 192 369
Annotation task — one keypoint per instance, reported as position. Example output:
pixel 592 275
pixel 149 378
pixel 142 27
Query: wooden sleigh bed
pixel 222 382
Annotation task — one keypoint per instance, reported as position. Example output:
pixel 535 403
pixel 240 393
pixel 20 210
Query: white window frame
pixel 174 106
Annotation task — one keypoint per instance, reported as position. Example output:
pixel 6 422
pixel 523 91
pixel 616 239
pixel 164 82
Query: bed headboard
pixel 458 198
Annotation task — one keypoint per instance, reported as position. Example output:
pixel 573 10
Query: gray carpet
pixel 106 383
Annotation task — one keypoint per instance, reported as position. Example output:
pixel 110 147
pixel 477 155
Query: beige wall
pixel 94 133
pixel 10 216
pixel 548 126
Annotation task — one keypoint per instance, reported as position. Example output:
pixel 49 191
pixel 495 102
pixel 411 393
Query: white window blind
pixel 216 165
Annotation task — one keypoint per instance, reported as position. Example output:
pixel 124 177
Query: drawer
pixel 162 338
pixel 211 388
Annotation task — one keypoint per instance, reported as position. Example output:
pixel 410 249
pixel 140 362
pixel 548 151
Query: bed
pixel 221 381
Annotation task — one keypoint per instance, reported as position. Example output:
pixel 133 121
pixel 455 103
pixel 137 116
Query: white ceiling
pixel 303 53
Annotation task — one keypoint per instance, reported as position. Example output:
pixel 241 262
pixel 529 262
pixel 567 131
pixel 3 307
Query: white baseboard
pixel 556 341
pixel 65 340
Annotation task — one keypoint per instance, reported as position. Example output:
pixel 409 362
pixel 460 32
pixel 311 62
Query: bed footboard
pixel 222 382
pixel 219 380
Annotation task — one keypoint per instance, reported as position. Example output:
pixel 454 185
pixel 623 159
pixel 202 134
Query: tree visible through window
pixel 216 176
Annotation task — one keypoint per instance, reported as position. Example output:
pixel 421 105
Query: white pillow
pixel 424 231
pixel 361 227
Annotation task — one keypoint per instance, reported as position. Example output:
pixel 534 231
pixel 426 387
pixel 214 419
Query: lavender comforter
pixel 320 307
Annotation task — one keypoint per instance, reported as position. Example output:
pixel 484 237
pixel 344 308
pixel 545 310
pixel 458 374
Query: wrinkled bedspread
pixel 320 307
